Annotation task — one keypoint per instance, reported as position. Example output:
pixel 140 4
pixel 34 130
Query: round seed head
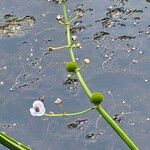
pixel 97 98
pixel 71 66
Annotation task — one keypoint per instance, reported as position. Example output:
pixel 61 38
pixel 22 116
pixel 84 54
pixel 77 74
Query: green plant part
pixel 87 91
pixel 11 143
pixel 71 66
pixel 97 98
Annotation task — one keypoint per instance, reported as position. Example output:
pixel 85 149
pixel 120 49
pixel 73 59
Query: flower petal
pixel 33 112
pixel 38 104
pixel 41 112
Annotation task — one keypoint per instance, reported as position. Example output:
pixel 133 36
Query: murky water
pixel 115 35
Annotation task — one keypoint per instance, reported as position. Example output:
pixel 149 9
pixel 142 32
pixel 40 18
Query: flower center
pixel 37 109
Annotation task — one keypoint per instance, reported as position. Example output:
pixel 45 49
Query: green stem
pixel 68 32
pixel 101 111
pixel 81 67
pixel 12 143
pixel 73 19
pixel 117 129
pixel 57 48
pixel 70 114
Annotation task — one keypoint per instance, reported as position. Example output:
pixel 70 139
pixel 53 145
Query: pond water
pixel 115 35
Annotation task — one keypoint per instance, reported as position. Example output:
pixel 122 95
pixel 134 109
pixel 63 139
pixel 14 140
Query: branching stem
pixel 100 110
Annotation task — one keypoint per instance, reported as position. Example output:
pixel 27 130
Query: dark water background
pixel 114 34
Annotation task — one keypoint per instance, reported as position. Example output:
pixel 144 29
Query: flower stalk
pixel 57 48
pixel 70 114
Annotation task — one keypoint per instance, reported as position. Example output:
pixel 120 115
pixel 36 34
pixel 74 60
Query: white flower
pixel 58 17
pixel 58 101
pixel 87 61
pixel 78 45
pixel 68 75
pixel 74 37
pixel 38 109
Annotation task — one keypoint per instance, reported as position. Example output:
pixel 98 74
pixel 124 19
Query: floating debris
pixel 125 37
pixel 117 118
pixel 77 29
pixel 15 26
pixel 79 10
pixel 77 123
pixel 115 12
pixel 115 15
pixel 70 81
pixel 107 22
pixel 90 135
pixel 76 23
pixel 100 35
pixel 55 1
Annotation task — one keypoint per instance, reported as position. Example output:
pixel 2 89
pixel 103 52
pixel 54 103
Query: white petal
pixel 41 112
pixel 33 112
pixel 38 104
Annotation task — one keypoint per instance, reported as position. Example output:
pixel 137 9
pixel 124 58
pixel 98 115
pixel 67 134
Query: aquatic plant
pixel 96 98
pixel 11 143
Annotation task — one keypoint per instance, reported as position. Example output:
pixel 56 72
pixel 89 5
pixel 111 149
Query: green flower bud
pixel 71 66
pixel 97 98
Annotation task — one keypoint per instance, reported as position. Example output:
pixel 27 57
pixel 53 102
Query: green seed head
pixel 71 66
pixel 97 98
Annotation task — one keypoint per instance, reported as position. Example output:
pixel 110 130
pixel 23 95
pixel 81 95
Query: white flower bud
pixel 74 37
pixel 58 17
pixel 69 75
pixel 58 101
pixel 79 14
pixel 87 61
pixel 78 45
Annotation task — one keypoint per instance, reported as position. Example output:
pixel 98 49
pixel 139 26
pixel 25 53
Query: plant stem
pixel 12 143
pixel 60 47
pixel 70 114
pixel 100 110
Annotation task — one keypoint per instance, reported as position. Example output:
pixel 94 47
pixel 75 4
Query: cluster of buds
pixel 77 45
